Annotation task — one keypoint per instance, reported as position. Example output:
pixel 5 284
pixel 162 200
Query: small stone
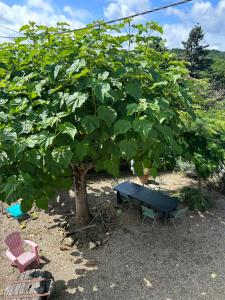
pixel 71 193
pixel 95 288
pixel 80 289
pixel 90 263
pixel 77 243
pixel 213 275
pixel 63 248
pixel 68 242
pixel 92 245
pixel 98 243
pixel 107 233
pixel 63 224
pixel 105 241
pixel 148 283
pixel 61 233
pixel 78 261
pixel 80 271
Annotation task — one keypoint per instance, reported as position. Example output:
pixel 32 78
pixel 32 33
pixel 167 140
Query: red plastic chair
pixel 16 252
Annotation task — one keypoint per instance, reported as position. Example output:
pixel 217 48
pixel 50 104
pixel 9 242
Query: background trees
pixel 195 53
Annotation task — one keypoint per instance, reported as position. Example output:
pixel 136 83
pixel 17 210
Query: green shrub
pixel 194 199
pixel 185 166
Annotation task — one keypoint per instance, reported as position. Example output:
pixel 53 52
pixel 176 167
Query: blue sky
pixel 177 21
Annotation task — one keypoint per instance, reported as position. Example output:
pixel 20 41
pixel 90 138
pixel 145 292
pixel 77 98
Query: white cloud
pixel 175 34
pixel 41 5
pixel 123 8
pixel 81 14
pixel 210 17
pixel 40 11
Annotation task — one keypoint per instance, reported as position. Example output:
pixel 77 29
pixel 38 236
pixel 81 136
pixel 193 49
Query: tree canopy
pixel 195 52
pixel 75 101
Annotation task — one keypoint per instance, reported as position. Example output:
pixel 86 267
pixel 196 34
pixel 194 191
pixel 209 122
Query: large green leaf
pixel 121 127
pixel 134 89
pixel 90 123
pixel 153 172
pixel 107 114
pixel 155 26
pixel 80 150
pixel 62 155
pixel 26 126
pixel 10 186
pixel 19 147
pixel 56 70
pixel 32 140
pixel 138 167
pixel 75 100
pixel 3 117
pixel 142 126
pixel 8 135
pixel 45 139
pixel 76 66
pixel 112 167
pixel 132 108
pixel 42 202
pixel 159 84
pixel 68 128
pixel 101 90
pixel 3 158
pixel 128 148
pixel 27 204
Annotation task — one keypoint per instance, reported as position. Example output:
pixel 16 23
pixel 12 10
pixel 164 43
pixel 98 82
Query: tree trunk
pixel 79 179
pixel 200 183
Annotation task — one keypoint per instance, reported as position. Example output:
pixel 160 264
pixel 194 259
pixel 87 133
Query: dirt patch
pixel 131 261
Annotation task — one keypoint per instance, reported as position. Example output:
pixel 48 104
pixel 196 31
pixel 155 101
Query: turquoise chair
pixel 15 211
pixel 177 214
pixel 149 213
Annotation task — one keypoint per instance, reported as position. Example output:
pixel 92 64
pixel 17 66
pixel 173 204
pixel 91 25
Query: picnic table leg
pixel 119 200
pixel 165 218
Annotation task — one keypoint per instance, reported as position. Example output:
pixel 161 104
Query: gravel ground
pixel 137 262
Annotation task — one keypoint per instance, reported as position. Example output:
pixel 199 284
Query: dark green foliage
pixel 194 199
pixel 217 74
pixel 206 144
pixel 195 53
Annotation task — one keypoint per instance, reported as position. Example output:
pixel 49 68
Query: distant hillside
pixel 213 54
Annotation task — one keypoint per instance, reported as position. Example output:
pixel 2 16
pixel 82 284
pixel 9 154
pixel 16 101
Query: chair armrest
pixel 30 243
pixel 11 256
pixel 33 245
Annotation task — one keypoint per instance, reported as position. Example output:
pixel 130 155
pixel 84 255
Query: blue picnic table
pixel 156 199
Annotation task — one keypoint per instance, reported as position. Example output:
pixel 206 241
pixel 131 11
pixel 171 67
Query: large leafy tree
pixel 195 52
pixel 71 102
